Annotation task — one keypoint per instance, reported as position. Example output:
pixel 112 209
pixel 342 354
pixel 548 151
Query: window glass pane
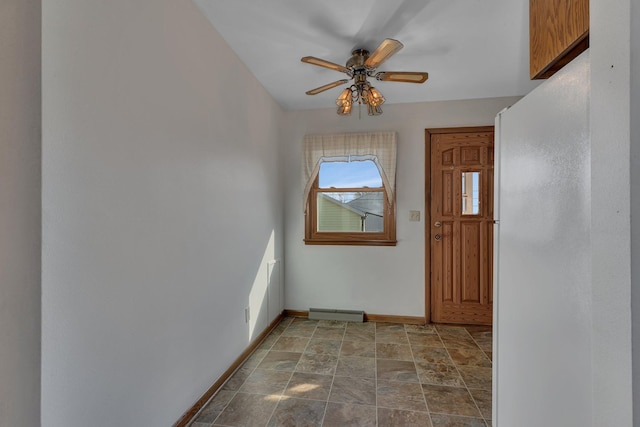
pixel 470 193
pixel 350 211
pixel 352 174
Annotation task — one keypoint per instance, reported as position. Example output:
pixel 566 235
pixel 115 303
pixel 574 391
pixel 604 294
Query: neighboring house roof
pixel 368 203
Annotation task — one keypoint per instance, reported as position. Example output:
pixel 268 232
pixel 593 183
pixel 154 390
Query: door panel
pixel 447 193
pixel 447 263
pixel 469 155
pixel 470 250
pixel 461 237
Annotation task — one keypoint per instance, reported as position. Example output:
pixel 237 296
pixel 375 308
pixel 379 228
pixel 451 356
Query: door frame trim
pixel 427 204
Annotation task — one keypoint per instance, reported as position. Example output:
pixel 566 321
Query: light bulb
pixel 344 98
pixel 345 109
pixel 374 110
pixel 375 97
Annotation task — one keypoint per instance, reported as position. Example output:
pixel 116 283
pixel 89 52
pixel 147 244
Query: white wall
pixel 542 320
pixel 162 206
pixel 610 124
pixel 20 213
pixel 379 280
pixel 635 204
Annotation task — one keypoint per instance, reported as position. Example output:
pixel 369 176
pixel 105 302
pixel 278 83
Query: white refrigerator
pixel 542 324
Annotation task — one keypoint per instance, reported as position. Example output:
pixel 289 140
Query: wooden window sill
pixel 350 242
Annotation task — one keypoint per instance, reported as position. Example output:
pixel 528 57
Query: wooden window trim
pixel 314 237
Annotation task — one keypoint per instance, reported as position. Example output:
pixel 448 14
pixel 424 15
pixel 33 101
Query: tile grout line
pixel 333 377
pixel 422 388
pixel 375 365
pixel 235 392
pixel 292 372
pixel 461 377
pixel 413 357
pixel 256 367
pixel 465 383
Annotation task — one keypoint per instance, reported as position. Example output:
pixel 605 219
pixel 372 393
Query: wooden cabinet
pixel 558 32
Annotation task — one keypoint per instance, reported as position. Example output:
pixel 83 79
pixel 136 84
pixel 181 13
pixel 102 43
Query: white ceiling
pixel 470 48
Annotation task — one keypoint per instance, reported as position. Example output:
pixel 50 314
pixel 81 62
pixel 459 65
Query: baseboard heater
pixel 330 314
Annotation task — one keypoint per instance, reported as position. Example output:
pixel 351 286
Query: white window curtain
pixel 380 147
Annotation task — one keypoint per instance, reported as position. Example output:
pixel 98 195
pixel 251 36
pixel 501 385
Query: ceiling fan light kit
pixel 360 66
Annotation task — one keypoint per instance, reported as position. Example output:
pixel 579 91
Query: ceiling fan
pixel 360 66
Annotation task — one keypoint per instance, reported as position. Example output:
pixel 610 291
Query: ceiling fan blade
pixel 322 63
pixel 326 87
pixel 402 76
pixel 383 52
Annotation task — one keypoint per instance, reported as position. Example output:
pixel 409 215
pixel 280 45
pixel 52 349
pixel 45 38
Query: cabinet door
pixel 558 32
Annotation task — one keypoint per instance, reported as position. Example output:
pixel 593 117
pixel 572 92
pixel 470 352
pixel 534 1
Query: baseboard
pixel 187 416
pixel 388 318
pixel 295 313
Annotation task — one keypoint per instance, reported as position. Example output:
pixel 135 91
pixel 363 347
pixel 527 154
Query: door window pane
pixel 470 193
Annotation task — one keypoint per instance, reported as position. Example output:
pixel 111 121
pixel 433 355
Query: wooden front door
pixel 460 236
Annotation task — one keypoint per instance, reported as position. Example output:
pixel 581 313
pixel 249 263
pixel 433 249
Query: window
pixel 348 200
pixel 470 193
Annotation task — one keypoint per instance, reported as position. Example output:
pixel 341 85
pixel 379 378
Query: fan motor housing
pixel 358 57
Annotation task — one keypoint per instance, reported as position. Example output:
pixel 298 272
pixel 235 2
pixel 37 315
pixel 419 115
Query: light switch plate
pixel 414 215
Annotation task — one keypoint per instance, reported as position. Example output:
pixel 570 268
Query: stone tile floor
pixel 328 373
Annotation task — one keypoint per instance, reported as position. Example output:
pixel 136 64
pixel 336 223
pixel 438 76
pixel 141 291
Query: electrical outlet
pixel 247 315
pixel 414 215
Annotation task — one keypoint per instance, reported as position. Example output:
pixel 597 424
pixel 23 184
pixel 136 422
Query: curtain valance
pixel 380 147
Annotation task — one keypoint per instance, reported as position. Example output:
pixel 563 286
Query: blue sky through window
pixel 349 175
pixel 476 192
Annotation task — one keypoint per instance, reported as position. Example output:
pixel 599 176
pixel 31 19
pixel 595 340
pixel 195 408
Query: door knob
pixel 437 224
pixel 437 237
